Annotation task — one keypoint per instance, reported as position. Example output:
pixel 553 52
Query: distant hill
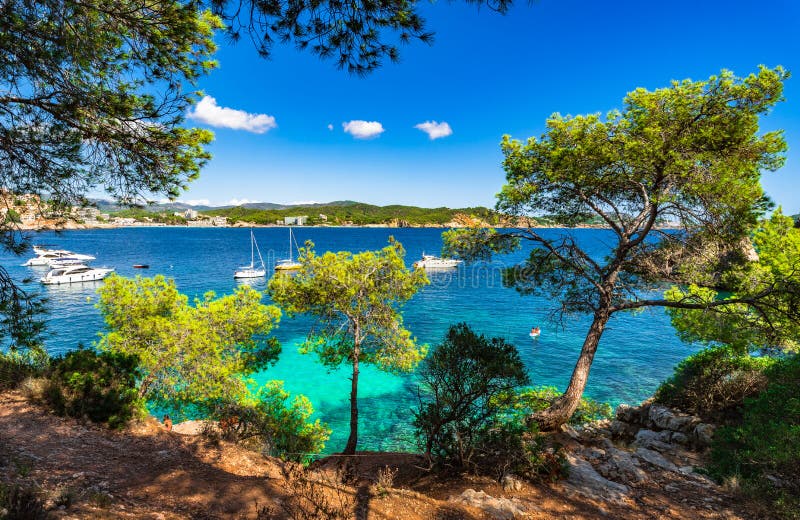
pixel 354 213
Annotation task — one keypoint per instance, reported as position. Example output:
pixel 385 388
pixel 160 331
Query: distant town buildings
pixel 323 218
pixel 295 221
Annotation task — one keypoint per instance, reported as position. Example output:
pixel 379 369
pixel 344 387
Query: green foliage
pixel 355 37
pixel 100 387
pixel 17 365
pixel 767 292
pixel 764 450
pixel 114 122
pixel 714 383
pixel 690 154
pixel 356 300
pixel 528 401
pixel 187 353
pixel 164 217
pixel 467 382
pixel 12 217
pixel 282 428
pixel 356 213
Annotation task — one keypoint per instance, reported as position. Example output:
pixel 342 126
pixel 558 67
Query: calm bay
pixel 636 352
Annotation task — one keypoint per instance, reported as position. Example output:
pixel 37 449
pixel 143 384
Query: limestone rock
pixel 584 479
pixel 703 434
pixel 659 441
pixel 656 459
pixel 622 429
pixel 511 483
pixel 664 418
pixel 500 508
pixel 622 467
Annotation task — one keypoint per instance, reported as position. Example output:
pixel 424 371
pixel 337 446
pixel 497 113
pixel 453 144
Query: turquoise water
pixel 635 354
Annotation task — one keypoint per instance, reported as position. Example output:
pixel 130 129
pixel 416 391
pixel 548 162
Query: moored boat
pixel 434 262
pixel 75 273
pixel 289 264
pixel 251 271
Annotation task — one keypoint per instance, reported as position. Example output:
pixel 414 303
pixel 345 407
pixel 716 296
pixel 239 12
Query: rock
pixel 188 427
pixel 622 467
pixel 593 454
pixel 585 480
pixel 651 440
pixel 679 438
pixel 511 483
pixel 621 429
pixel 703 434
pixel 664 418
pixel 628 414
pixel 656 459
pixel 500 508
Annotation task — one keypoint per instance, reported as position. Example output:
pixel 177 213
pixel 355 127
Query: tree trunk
pixel 350 448
pixel 562 408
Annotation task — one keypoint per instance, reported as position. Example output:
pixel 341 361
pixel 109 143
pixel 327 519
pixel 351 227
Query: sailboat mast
pixel 252 255
pixel 290 244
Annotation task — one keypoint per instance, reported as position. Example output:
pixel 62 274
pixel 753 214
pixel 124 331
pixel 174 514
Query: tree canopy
pixel 675 176
pixel 92 97
pixel 772 286
pixel 358 36
pixel 356 300
pixel 188 353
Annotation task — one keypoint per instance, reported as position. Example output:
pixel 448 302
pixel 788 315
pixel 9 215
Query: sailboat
pixel 288 264
pixel 251 271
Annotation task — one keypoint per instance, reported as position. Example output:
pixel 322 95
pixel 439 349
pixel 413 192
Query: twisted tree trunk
pixel 562 408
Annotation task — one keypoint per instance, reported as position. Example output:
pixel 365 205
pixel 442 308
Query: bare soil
pixel 86 471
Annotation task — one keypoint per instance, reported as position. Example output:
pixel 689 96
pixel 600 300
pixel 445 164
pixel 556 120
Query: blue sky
pixel 485 75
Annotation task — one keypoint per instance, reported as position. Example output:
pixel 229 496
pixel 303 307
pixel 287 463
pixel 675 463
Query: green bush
pixel 100 387
pixel 763 452
pixel 714 383
pixel 17 365
pixel 468 383
pixel 527 401
pixel 271 423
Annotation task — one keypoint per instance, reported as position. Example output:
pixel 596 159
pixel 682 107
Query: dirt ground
pixel 145 472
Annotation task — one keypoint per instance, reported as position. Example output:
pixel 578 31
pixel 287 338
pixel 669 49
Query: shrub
pixel 271 423
pixel 18 365
pixel 100 387
pixel 531 400
pixel 714 383
pixel 20 503
pixel 763 452
pixel 467 382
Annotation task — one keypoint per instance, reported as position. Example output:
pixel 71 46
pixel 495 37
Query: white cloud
pixel 197 202
pixel 363 129
pixel 207 111
pixel 330 127
pixel 435 130
pixel 239 202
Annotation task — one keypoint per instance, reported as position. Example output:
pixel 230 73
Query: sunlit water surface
pixel 635 354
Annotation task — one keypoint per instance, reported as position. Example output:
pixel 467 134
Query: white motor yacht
pixel 251 271
pixel 46 256
pixel 75 273
pixel 434 262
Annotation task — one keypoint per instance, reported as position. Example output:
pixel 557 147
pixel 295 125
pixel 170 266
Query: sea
pixel 636 353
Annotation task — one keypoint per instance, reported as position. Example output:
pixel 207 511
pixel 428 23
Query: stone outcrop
pixel 500 508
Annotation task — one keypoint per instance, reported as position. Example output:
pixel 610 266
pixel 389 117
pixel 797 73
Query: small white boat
pixel 46 256
pixel 434 262
pixel 288 264
pixel 75 273
pixel 535 332
pixel 251 271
